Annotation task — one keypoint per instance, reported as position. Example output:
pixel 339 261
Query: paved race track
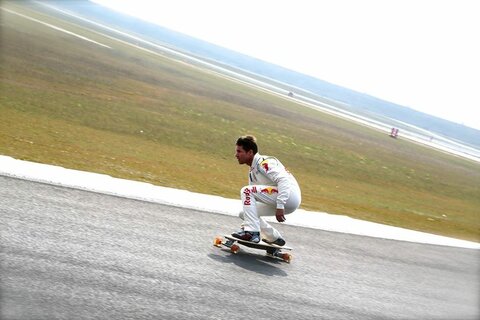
pixel 70 254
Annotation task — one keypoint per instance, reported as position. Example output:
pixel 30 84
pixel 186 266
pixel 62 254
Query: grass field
pixel 140 116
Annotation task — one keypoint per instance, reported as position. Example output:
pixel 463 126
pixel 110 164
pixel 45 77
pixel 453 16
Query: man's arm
pixel 277 173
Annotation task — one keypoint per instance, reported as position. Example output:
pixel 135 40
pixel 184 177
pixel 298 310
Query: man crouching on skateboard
pixel 272 190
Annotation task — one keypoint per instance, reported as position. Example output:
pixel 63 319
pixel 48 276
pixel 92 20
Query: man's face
pixel 243 156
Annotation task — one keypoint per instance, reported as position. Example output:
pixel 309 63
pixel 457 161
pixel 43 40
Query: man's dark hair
pixel 248 143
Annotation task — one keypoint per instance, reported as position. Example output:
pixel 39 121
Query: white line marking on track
pixel 56 28
pixel 104 184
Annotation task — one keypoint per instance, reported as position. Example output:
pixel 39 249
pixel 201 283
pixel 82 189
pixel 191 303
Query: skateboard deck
pixel 271 249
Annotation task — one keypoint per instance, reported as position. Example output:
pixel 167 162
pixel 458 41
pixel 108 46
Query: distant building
pixel 394 133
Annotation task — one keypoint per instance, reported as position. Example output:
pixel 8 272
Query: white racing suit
pixel 270 187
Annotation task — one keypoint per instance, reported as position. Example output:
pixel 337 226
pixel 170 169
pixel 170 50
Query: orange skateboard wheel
pixel 234 248
pixel 217 241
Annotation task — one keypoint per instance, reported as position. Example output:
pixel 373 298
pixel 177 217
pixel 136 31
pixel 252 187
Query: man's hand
pixel 280 214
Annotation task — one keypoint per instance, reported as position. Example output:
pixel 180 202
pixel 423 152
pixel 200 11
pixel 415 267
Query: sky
pixel 423 54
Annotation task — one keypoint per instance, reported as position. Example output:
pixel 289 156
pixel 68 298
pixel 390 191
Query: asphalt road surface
pixel 70 254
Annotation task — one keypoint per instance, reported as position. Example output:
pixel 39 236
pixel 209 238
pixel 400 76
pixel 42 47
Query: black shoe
pixel 279 242
pixel 247 236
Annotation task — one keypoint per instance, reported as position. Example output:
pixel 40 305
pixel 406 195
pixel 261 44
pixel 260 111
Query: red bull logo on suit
pixel 269 190
pixel 265 166
pixel 247 194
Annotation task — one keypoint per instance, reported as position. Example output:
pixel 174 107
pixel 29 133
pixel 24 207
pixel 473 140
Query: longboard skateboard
pixel 271 249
